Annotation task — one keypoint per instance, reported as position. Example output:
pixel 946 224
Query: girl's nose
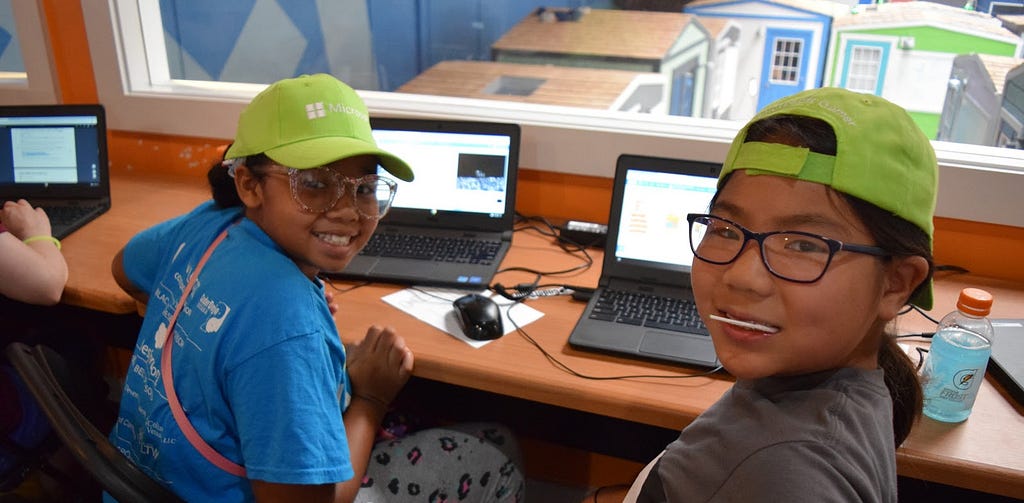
pixel 749 272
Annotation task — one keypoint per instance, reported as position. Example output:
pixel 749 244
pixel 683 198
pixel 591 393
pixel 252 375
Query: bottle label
pixel 964 378
pixel 952 395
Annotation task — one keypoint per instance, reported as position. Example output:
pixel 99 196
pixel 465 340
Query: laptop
pixel 1007 361
pixel 452 225
pixel 643 305
pixel 55 157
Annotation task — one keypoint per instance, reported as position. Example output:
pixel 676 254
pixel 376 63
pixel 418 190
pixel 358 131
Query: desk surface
pixel 978 454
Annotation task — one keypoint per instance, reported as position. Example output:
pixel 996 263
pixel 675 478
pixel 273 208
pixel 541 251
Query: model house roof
pixel 997 68
pixel 547 84
pixel 599 32
pixel 713 25
pixel 925 14
pixel 1013 22
pixel 826 7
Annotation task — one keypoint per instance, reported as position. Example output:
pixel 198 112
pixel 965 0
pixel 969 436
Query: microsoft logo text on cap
pixel 317 110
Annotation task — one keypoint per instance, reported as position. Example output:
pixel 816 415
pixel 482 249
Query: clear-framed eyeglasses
pixel 317 190
pixel 795 256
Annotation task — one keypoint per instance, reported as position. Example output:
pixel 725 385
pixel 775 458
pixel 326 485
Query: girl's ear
pixel 904 275
pixel 250 191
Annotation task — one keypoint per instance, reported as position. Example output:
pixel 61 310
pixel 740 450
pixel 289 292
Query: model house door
pixel 785 66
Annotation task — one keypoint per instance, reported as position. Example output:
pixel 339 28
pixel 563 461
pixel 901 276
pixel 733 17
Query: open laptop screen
pixel 456 171
pixel 52 151
pixel 652 225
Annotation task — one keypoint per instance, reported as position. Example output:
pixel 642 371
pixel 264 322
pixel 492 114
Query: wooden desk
pixel 978 454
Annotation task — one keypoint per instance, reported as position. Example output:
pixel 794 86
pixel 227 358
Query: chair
pixel 112 470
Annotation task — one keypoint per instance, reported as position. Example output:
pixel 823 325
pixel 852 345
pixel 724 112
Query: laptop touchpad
pixel 677 345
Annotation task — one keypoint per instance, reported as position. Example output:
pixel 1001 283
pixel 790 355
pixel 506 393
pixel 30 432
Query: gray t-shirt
pixel 820 437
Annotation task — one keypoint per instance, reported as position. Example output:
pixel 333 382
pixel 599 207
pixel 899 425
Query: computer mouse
pixel 479 317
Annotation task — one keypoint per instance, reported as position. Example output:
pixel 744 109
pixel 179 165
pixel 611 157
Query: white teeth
pixel 745 324
pixel 335 239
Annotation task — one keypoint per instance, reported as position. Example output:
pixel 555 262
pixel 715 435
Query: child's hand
pixel 23 221
pixel 379 365
pixel 329 295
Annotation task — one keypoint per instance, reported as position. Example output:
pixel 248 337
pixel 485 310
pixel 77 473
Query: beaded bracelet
pixel 56 242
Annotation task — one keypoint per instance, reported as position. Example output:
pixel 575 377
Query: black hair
pixel 222 184
pixel 897 235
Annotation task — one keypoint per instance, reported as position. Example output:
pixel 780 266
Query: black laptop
pixel 643 305
pixel 1007 362
pixel 452 225
pixel 55 157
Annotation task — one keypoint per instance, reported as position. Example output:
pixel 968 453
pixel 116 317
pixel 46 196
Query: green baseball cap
pixel 307 122
pixel 882 156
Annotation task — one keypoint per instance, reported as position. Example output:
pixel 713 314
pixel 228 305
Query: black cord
pixel 569 370
pixel 950 268
pixel 599 489
pixel 548 229
pixel 911 307
pixel 344 290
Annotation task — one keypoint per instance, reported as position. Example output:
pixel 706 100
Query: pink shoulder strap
pixel 168 379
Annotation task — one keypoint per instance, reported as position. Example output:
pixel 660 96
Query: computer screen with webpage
pixel 652 224
pixel 454 171
pixel 49 150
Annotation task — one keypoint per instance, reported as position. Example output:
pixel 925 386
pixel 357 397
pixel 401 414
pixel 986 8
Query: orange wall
pixel 984 249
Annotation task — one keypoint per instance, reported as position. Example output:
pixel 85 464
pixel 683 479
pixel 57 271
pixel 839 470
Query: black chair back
pixel 113 471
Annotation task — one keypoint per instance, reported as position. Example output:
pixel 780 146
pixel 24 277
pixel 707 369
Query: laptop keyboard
pixel 440 249
pixel 653 311
pixel 65 215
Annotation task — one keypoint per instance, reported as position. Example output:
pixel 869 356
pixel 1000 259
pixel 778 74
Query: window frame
pixel 977 183
pixel 40 85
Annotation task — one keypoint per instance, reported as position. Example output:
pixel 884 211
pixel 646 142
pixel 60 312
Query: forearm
pixel 34 272
pixel 362 419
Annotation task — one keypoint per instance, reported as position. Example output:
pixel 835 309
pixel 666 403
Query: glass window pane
pixel 25 72
pixel 12 66
pixel 580 103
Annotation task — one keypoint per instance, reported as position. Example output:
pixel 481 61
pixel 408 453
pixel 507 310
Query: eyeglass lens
pixel 319 189
pixel 790 255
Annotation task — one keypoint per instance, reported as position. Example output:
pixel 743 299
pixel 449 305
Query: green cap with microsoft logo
pixel 307 122
pixel 882 156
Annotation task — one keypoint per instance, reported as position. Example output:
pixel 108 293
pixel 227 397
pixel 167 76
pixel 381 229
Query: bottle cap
pixel 974 301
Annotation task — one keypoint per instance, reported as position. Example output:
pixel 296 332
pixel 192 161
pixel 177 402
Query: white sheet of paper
pixel 434 306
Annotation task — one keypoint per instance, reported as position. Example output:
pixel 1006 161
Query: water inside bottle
pixel 953 373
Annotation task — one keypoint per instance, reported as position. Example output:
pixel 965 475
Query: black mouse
pixel 479 317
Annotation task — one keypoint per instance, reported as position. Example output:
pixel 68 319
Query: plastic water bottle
pixel 958 357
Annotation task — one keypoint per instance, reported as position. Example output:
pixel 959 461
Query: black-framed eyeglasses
pixel 317 190
pixel 796 256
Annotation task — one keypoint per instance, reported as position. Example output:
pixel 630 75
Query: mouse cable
pixel 569 370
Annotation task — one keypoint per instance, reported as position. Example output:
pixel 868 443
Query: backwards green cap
pixel 307 122
pixel 882 156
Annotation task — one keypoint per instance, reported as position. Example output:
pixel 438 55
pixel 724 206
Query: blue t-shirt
pixel 259 367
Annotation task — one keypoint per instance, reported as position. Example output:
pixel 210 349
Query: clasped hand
pixel 379 365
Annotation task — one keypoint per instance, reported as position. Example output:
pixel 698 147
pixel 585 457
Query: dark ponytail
pixel 222 183
pixel 900 237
